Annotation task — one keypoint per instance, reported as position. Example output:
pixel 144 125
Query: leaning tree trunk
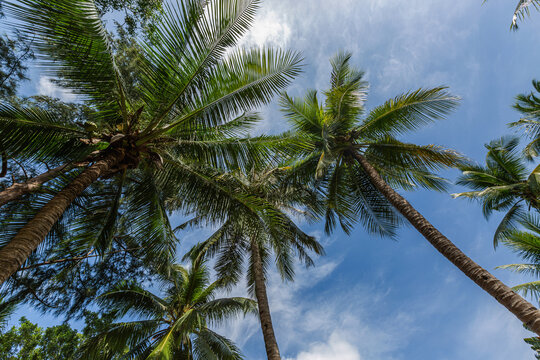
pixel 19 248
pixel 18 189
pixel 520 307
pixel 270 342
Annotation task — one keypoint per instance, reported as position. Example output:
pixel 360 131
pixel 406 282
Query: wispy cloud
pixel 334 348
pixel 269 29
pixel 311 323
pixel 46 87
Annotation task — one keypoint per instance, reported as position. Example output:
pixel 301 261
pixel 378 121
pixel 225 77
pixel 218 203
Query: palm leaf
pixel 72 44
pixel 408 112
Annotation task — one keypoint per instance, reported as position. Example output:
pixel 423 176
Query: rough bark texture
pixel 19 189
pixel 518 306
pixel 270 342
pixel 14 254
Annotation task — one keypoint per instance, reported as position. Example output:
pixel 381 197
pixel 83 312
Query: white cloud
pixel 494 333
pixel 48 88
pixel 269 29
pixel 326 324
pixel 334 348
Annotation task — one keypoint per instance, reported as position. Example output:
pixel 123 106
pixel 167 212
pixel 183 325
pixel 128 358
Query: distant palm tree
pixel 359 160
pixel 504 184
pixel 195 92
pixel 172 326
pixel 259 227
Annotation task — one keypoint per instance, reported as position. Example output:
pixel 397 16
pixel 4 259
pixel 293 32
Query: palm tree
pixel 359 160
pixel 260 227
pixel 504 184
pixel 175 326
pixel 529 106
pixel 195 90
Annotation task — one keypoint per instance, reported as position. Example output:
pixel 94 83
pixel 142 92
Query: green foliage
pixel 16 51
pixel 172 104
pixel 29 341
pixel 14 55
pixel 259 208
pixel 7 307
pixel 526 243
pixel 535 345
pixel 337 131
pixel 503 184
pixel 172 326
pixel 137 13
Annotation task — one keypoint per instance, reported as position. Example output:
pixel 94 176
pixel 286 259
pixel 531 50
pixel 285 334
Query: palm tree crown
pixel 193 95
pixel 503 184
pixel 339 128
pixel 257 224
pixel 175 326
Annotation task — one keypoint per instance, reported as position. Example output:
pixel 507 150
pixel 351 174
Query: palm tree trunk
pixel 518 306
pixel 18 189
pixel 270 342
pixel 14 254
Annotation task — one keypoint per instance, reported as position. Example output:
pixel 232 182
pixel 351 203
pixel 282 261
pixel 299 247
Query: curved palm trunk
pixel 520 307
pixel 270 342
pixel 18 189
pixel 15 253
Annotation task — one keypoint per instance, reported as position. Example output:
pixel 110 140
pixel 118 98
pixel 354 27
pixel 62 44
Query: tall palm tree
pixel 504 184
pixel 172 326
pixel 359 159
pixel 260 228
pixel 194 90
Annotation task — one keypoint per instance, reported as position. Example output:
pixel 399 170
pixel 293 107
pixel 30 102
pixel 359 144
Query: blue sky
pixel 372 298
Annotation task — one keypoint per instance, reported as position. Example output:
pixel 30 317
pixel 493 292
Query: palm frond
pixel 408 112
pixel 190 38
pixel 129 298
pixel 245 80
pixel 72 45
pixel 35 134
pixel 209 343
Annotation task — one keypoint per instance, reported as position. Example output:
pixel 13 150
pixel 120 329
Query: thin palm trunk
pixel 18 189
pixel 15 253
pixel 270 342
pixel 521 308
